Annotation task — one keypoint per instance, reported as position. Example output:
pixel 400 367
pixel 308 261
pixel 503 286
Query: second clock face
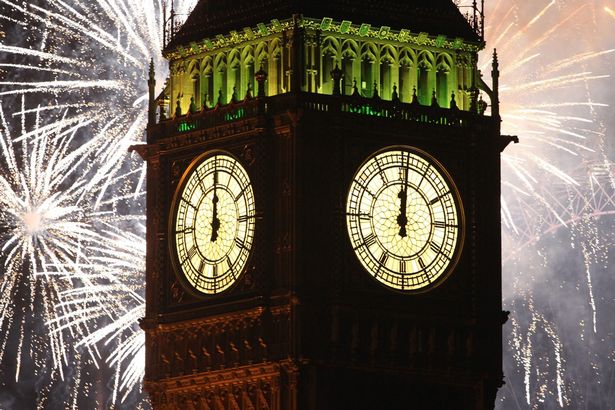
pixel 402 215
pixel 214 223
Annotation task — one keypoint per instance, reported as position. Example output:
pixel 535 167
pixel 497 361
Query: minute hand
pixel 215 222
pixel 402 218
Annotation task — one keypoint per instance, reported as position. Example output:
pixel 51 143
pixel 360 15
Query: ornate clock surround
pixel 240 248
pixel 253 151
pixel 442 261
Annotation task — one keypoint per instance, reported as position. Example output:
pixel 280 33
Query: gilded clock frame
pixel 458 249
pixel 175 263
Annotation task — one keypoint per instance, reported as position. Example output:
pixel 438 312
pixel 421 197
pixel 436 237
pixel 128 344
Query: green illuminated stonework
pixel 373 59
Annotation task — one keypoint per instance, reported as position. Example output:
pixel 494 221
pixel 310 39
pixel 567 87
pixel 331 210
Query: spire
pixel 151 82
pixel 453 102
pixel 178 106
pixel 415 98
pixel 261 76
pixel 355 90
pixel 336 75
pixel 395 96
pixel 495 78
pixel 434 99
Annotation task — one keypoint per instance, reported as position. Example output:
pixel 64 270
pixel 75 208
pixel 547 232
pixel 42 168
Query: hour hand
pixel 215 221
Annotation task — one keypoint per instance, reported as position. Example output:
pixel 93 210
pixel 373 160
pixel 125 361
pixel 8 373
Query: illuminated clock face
pixel 403 219
pixel 214 223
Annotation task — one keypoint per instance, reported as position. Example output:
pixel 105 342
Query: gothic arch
pixel 388 54
pixel 350 49
pixel 261 53
pixel 407 57
pixel 331 47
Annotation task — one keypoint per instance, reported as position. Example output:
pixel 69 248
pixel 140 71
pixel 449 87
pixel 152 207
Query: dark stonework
pixel 305 326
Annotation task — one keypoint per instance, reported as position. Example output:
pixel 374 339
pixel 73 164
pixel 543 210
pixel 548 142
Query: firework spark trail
pixel 110 303
pixel 117 39
pixel 78 41
pixel 550 63
pixel 42 222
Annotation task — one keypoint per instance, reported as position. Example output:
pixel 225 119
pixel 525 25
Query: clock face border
pixel 178 271
pixel 460 214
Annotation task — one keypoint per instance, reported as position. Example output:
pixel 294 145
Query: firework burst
pixel 70 183
pixel 72 197
pixel 557 201
pixel 42 219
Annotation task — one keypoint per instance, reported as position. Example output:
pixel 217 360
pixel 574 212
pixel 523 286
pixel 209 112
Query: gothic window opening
pixel 276 76
pixel 195 84
pixel 220 80
pixel 407 80
pixel 329 59
pixel 248 71
pixel 368 62
pixel 387 64
pixel 196 90
pixel 442 80
pixel 349 56
pixel 234 84
pixel 425 84
pixel 207 83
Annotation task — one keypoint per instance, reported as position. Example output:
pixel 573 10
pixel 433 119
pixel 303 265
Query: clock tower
pixel 323 209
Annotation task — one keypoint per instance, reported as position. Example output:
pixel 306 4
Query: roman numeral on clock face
pixel 369 240
pixel 383 259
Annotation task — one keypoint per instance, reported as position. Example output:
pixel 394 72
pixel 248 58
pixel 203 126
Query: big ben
pixel 323 209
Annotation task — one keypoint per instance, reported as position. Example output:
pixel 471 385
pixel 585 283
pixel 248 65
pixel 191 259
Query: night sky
pixel 558 184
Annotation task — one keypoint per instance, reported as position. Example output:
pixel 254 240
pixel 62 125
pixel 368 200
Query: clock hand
pixel 402 218
pixel 215 222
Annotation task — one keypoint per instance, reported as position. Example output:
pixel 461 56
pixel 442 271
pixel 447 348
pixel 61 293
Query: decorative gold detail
pixel 213 223
pixel 248 155
pixel 404 219
pixel 177 293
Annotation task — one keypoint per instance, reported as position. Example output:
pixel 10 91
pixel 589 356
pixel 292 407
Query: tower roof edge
pixel 437 17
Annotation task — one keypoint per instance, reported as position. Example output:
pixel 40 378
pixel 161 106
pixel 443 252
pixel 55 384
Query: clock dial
pixel 403 219
pixel 214 223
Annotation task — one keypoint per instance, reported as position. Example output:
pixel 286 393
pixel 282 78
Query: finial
pixel 163 111
pixel 453 103
pixel 219 102
pixel 394 96
pixel 415 98
pixel 375 95
pixel 249 92
pixel 178 106
pixel 234 95
pixel 355 90
pixel 151 82
pixel 482 105
pixel 434 99
pixel 336 75
pixel 261 76
pixel 192 108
